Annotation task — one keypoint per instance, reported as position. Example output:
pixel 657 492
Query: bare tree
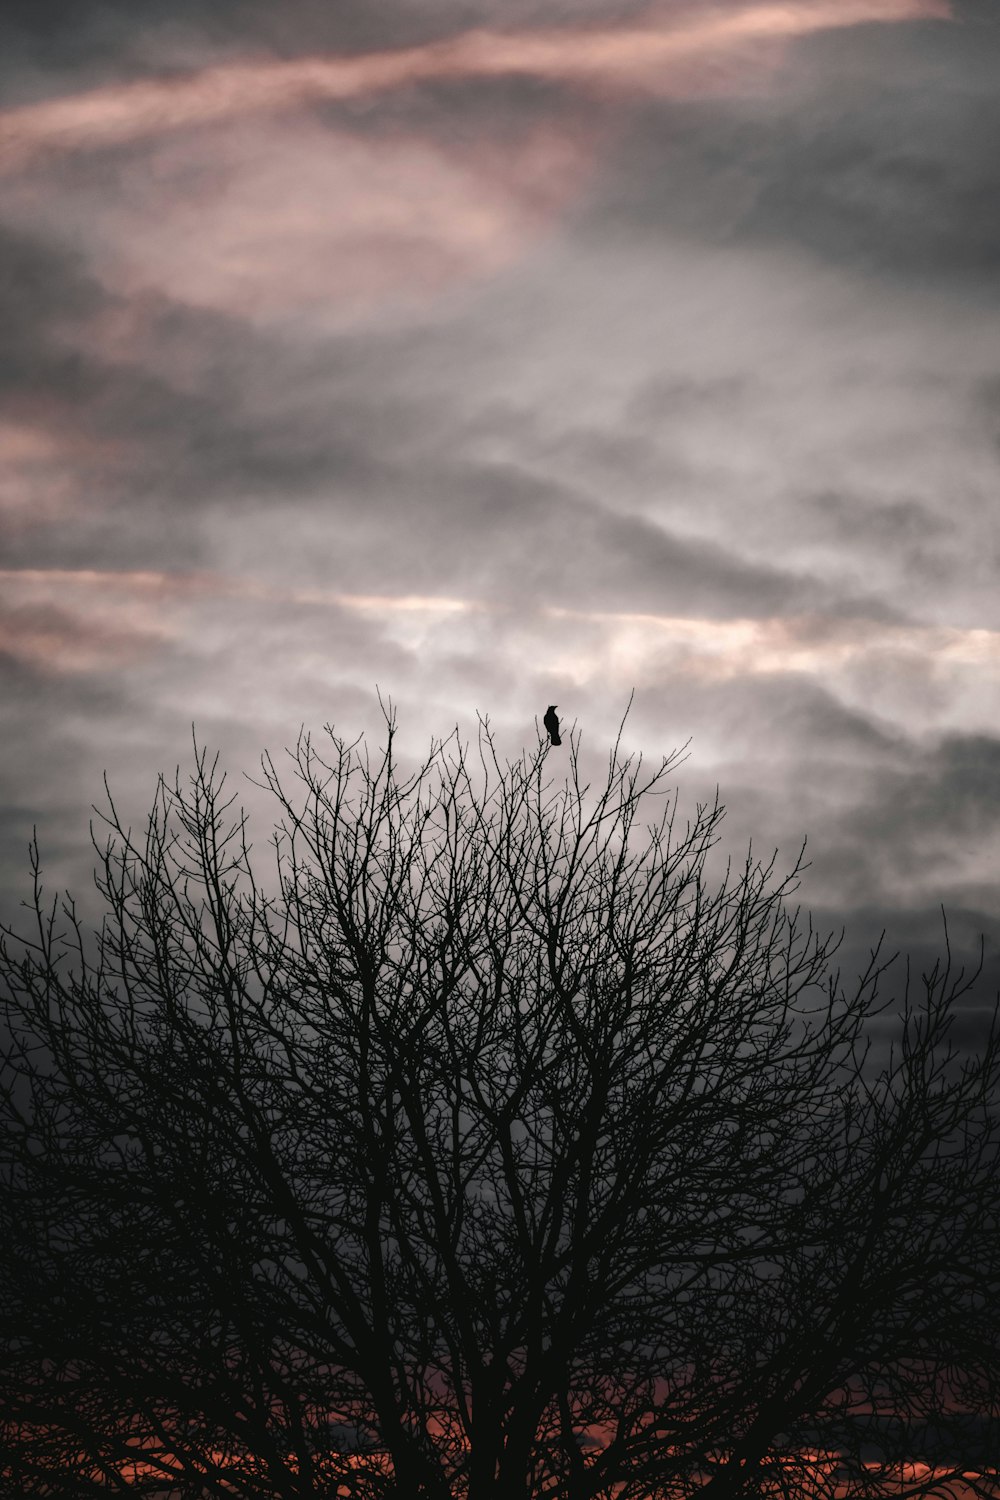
pixel 482 1145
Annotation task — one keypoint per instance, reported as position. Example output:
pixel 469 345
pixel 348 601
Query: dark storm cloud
pixel 42 286
pixel 933 819
pixel 536 541
pixel 892 164
pixel 889 811
pixel 147 440
pixel 603 561
pixel 498 532
pixel 898 828
pixel 52 726
pixel 907 524
pixel 876 150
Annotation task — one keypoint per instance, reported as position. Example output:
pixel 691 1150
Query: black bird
pixel 551 722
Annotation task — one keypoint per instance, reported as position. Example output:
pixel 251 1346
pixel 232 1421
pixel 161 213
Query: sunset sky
pixel 500 354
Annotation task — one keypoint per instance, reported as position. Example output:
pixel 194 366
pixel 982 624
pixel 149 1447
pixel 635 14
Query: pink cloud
pixel 53 639
pixel 635 645
pixel 268 214
pixel 294 217
pixel 662 55
pixel 72 621
pixel 605 644
pixel 40 470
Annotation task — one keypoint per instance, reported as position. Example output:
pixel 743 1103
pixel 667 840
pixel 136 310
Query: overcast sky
pixel 500 353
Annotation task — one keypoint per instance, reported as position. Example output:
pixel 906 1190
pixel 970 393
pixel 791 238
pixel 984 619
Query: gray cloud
pixel 738 375
pixel 874 151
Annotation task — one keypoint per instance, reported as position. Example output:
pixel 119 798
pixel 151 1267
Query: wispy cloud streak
pixel 630 643
pixel 753 647
pixel 656 56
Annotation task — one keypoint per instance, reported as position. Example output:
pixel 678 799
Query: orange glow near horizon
pixel 812 1470
pixel 444 1423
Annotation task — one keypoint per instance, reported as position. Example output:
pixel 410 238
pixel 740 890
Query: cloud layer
pixel 503 358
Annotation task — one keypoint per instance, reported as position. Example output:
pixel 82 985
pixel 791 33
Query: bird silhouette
pixel 551 722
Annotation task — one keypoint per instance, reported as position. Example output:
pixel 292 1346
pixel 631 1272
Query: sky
pixel 490 355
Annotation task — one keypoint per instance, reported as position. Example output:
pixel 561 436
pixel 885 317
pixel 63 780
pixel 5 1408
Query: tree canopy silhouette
pixel 477 1142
